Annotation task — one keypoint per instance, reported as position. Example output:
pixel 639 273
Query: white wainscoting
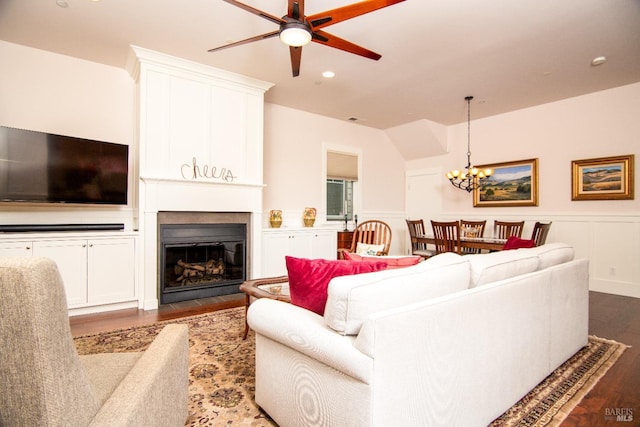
pixel 610 242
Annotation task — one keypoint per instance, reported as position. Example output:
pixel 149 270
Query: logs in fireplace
pixel 201 260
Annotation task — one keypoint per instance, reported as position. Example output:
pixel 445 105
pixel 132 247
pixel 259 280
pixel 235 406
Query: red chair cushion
pixel 514 242
pixel 309 278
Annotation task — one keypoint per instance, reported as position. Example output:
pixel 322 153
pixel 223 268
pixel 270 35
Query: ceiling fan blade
pixel 258 12
pixel 295 9
pixel 333 16
pixel 249 40
pixel 296 56
pixel 338 43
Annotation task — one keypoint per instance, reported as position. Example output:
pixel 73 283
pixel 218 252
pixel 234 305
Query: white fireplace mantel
pixel 182 195
pixel 188 112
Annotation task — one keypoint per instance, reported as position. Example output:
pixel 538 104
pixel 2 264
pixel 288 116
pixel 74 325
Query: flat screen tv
pixel 37 167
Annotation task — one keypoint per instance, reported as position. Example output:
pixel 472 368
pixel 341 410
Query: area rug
pixel 221 372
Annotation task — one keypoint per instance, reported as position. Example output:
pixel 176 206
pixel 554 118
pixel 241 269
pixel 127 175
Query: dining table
pixel 483 243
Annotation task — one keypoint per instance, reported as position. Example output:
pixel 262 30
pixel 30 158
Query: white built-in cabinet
pixel 96 270
pixel 277 243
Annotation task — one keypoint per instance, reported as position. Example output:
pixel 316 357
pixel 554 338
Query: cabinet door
pixel 301 244
pixel 323 245
pixel 71 258
pixel 275 246
pixel 111 271
pixel 16 249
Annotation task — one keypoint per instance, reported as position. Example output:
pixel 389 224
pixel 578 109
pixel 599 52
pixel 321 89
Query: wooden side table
pixel 344 241
pixel 271 287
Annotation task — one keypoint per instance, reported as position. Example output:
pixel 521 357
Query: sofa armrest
pixel 155 391
pixel 307 333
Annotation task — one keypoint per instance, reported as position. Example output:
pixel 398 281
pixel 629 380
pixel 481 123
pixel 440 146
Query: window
pixel 339 200
pixel 341 185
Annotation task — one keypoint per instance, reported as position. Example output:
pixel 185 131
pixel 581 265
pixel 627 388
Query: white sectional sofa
pixel 452 341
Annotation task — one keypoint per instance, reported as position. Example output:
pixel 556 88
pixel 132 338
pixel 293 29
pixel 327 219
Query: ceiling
pixel 508 54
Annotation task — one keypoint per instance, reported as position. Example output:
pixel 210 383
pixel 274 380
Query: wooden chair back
pixel 372 232
pixel 447 236
pixel 472 229
pixel 540 231
pixel 416 228
pixel 506 229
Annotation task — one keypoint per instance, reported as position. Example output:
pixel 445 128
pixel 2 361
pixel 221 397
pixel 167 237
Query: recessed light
pixel 598 60
pixel 62 3
pixel 328 74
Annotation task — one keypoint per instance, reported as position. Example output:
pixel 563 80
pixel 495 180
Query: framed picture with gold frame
pixel 602 178
pixel 511 184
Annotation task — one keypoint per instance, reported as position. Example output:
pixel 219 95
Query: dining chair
pixel 372 232
pixel 416 228
pixel 447 236
pixel 540 231
pixel 506 229
pixel 472 229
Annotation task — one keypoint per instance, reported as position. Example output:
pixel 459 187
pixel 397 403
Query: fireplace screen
pixel 201 260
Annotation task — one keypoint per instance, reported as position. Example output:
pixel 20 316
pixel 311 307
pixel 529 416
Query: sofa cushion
pixel 491 267
pixel 552 254
pixel 353 299
pixel 308 278
pixel 390 260
pixel 514 242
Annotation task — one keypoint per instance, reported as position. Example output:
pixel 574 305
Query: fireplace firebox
pixel 201 260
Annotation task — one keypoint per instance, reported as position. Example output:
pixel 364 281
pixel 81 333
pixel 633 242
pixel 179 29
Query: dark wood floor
pixel 610 316
pixel 617 318
pixel 94 323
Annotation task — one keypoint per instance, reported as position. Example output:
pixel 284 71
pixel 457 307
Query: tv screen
pixel 42 167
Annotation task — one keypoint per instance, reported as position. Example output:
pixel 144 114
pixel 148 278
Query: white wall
pixel 596 125
pixel 47 92
pixel 293 153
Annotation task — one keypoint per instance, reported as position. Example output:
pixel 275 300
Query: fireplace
pixel 201 259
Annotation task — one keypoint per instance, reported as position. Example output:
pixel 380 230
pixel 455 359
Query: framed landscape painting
pixel 604 178
pixel 511 184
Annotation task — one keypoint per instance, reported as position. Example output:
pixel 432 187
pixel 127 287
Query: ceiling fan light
pixel 295 34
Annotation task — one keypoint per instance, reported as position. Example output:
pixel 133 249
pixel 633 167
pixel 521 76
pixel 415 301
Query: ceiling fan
pixel 296 29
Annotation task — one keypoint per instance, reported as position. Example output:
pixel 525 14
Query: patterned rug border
pixel 598 372
pixel 553 409
pixel 548 404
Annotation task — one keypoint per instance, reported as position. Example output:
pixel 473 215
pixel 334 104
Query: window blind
pixel 342 166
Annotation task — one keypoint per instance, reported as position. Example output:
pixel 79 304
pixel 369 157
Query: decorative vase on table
pixel 275 218
pixel 309 217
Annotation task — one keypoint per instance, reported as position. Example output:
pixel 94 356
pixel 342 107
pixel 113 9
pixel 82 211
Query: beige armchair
pixel 46 383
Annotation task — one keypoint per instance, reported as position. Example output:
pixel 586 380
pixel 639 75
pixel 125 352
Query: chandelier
pixel 470 179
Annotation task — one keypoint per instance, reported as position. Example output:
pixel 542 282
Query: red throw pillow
pixel 391 261
pixel 514 242
pixel 309 278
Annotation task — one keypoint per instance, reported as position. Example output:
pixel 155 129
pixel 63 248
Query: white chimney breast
pixel 199 148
